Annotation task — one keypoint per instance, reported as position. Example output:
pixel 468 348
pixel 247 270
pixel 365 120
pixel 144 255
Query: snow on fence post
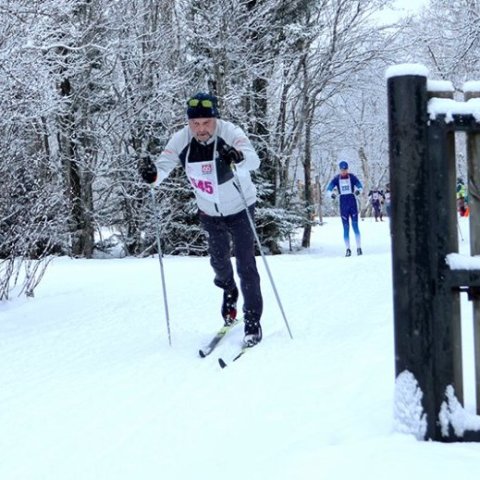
pixel 410 224
pixel 424 231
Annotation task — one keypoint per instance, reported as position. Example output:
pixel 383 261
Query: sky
pixel 91 389
pixel 401 8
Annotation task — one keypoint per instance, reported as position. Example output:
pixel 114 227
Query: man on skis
pixel 209 148
pixel 348 186
pixel 377 197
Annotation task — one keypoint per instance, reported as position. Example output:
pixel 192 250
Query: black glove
pixel 357 192
pixel 147 170
pixel 230 155
pixel 333 195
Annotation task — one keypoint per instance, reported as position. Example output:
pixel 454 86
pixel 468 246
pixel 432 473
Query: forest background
pixel 89 86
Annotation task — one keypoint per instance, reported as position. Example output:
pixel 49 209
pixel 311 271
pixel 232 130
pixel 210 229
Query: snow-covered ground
pixel 90 388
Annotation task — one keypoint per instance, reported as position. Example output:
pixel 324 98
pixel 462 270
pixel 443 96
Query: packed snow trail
pixel 90 388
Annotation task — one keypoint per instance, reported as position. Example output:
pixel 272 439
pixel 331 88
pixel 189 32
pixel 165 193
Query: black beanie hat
pixel 196 107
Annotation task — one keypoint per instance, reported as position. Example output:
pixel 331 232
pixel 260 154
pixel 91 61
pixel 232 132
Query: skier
pixel 377 198
pixel 462 198
pixel 209 148
pixel 348 186
pixel 388 200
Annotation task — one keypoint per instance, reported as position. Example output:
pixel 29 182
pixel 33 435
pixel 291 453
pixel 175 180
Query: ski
pixel 239 354
pixel 208 349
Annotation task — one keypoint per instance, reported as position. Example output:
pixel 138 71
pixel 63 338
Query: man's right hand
pixel 147 169
pixel 333 195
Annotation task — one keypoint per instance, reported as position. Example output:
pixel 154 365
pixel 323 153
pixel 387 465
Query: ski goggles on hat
pixel 195 102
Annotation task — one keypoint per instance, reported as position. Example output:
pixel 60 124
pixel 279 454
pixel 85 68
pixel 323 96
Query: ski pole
pixel 359 207
pixel 252 226
pixel 160 255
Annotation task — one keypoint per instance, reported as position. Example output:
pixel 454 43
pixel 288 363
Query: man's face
pixel 344 172
pixel 202 128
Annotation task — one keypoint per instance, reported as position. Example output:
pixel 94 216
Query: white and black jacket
pixel 212 180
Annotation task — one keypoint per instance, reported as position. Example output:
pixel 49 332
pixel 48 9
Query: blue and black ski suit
pixel 347 186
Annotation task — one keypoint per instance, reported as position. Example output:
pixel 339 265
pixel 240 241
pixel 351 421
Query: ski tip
pixel 222 363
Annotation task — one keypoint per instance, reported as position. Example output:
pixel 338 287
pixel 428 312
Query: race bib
pixel 203 178
pixel 345 186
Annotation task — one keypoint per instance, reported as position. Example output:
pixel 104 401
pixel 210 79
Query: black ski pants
pixel 235 231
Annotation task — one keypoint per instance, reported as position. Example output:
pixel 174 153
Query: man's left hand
pixel 231 155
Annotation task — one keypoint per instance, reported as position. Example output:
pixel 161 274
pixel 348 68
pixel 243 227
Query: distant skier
pixel 462 198
pixel 377 198
pixel 388 200
pixel 348 186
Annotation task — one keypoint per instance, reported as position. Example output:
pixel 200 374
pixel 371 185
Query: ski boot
pixel 253 330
